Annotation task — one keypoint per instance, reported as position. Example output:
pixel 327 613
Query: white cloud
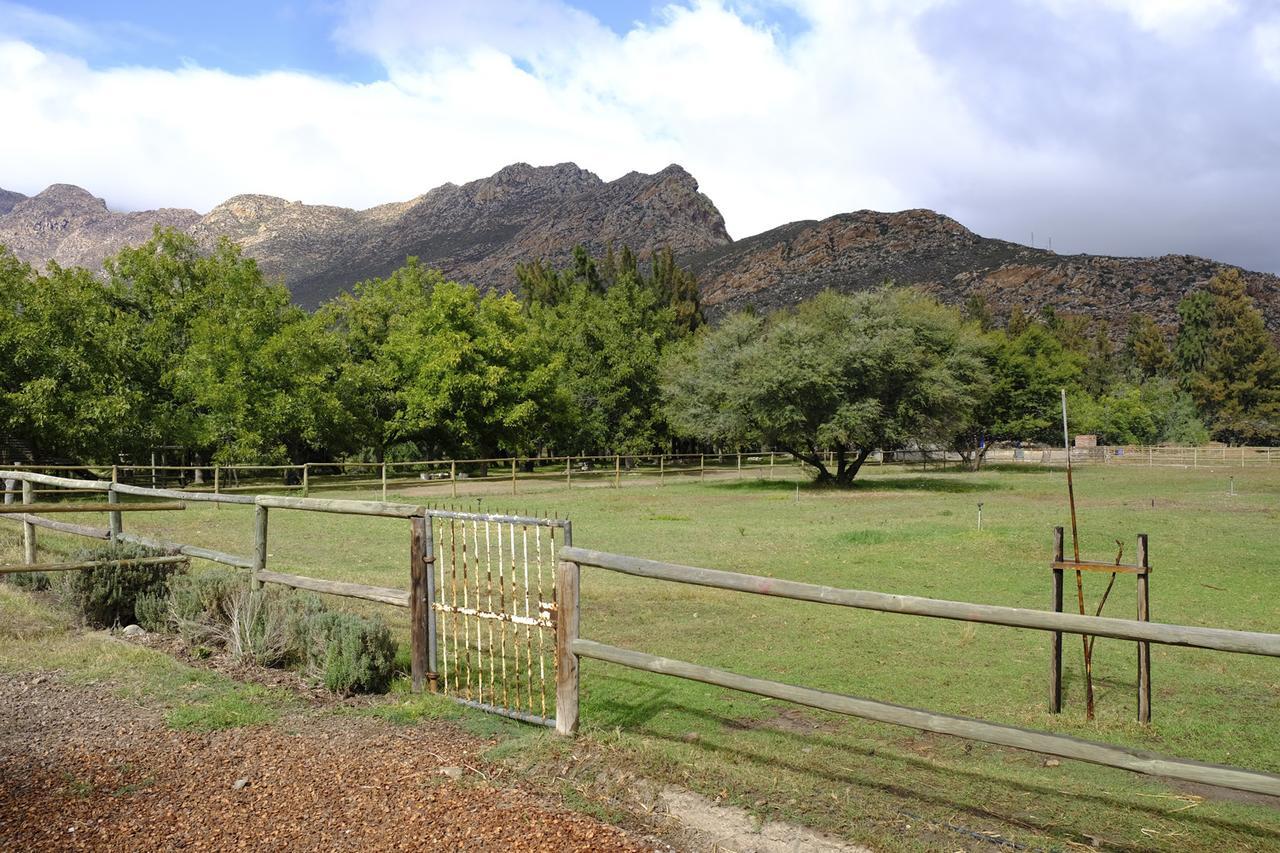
pixel 1266 43
pixel 1097 128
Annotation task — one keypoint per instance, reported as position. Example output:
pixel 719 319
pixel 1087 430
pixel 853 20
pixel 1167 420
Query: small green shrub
pixel 34 581
pixel 109 595
pixel 200 605
pixel 350 654
pixel 151 611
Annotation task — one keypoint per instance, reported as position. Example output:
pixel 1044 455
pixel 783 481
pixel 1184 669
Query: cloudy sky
pixel 1106 126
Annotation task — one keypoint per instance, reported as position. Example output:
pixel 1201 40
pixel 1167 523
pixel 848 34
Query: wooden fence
pixel 425 598
pixel 570 647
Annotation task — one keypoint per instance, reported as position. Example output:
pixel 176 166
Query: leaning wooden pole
pixel 567 578
pixel 418 603
pixel 1075 547
pixel 28 529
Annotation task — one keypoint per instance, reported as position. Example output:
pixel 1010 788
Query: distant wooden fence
pixel 570 647
pixel 614 470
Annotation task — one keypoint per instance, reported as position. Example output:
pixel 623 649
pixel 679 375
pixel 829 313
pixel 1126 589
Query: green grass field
pixel 1216 560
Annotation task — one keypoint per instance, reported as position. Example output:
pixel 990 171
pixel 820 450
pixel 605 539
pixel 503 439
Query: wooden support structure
pixel 28 529
pixel 382 595
pixel 429 561
pixel 1055 639
pixel 513 475
pixel 1144 649
pixel 617 471
pixel 419 605
pixel 110 506
pixel 384 481
pixel 1220 639
pixel 453 478
pixel 259 545
pixel 567 618
pixel 90 564
pixel 342 507
pixel 306 478
pixel 1045 743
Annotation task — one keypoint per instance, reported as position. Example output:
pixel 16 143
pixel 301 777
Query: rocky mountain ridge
pixel 480 230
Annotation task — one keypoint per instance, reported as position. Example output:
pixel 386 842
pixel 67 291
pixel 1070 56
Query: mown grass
pixel 1216 562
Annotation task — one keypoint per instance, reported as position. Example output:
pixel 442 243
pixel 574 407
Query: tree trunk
pixel 849 468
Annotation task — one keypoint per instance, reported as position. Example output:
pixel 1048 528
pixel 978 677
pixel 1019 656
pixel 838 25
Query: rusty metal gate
pixel 491 631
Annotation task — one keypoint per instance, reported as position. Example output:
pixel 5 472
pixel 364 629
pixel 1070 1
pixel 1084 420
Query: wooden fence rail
pixel 570 646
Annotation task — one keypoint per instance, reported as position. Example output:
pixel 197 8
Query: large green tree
pixel 843 373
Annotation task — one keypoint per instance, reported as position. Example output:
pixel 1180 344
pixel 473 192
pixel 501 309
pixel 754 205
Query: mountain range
pixel 478 231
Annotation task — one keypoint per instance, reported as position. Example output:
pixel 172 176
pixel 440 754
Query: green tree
pixel 1145 350
pixel 1195 324
pixel 1238 386
pixel 845 373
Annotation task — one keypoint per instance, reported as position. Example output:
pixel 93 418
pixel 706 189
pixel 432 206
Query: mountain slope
pixel 855 251
pixel 480 230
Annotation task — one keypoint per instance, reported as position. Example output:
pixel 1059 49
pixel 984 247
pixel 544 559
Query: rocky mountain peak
pixel 9 198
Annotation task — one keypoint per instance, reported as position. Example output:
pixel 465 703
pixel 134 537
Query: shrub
pixel 108 595
pixel 34 581
pixel 350 654
pixel 200 605
pixel 152 612
pixel 270 626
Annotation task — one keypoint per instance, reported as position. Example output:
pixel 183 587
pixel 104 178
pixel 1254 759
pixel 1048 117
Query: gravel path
pixel 82 770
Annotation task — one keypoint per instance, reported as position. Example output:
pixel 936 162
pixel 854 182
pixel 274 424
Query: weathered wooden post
pixel 739 464
pixel 568 472
pixel 567 578
pixel 770 464
pixel 453 478
pixel 617 471
pixel 28 529
pixel 1144 615
pixel 662 470
pixel 418 604
pixel 702 467
pixel 429 563
pixel 513 475
pixel 259 545
pixel 306 478
pixel 217 484
pixel 115 521
pixel 384 481
pixel 1055 639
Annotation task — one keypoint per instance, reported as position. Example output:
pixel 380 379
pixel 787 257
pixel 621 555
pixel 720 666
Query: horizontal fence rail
pixel 570 646
pixel 1218 639
pixel 1045 743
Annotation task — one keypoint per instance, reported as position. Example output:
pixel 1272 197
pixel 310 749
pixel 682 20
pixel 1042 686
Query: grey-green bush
pixel 151 611
pixel 350 654
pixel 200 604
pixel 108 595
pixel 270 627
pixel 34 581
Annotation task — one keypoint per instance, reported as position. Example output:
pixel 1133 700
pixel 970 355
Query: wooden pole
pixel 702 467
pixel 384 481
pixel 617 471
pixel 1144 649
pixel 568 472
pixel 1075 547
pixel 217 482
pixel 259 544
pixel 306 478
pixel 28 529
pixel 770 464
pixel 115 519
pixel 418 604
pixel 567 613
pixel 429 562
pixel 739 464
pixel 1055 639
pixel 513 475
pixel 662 470
pixel 453 478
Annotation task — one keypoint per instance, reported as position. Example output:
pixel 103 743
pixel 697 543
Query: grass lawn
pixel 1216 560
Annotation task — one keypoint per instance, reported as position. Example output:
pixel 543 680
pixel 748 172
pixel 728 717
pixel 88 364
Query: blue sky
pixel 1135 127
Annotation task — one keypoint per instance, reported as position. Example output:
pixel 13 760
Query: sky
pixel 1132 127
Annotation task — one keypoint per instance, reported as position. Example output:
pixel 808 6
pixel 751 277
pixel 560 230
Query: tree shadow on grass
pixel 921 483
pixel 634 716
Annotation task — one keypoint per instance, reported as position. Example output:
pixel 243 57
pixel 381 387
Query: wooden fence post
pixel 217 483
pixel 429 563
pixel 567 577
pixel 662 470
pixel 513 475
pixel 568 472
pixel 617 471
pixel 115 521
pixel 739 464
pixel 453 478
pixel 1144 649
pixel 702 467
pixel 259 545
pixel 418 603
pixel 770 464
pixel 28 529
pixel 384 481
pixel 306 478
pixel 1055 639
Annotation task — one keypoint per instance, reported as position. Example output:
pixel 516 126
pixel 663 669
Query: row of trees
pixel 174 346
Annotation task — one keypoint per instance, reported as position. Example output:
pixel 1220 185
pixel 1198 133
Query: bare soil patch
pixel 83 770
